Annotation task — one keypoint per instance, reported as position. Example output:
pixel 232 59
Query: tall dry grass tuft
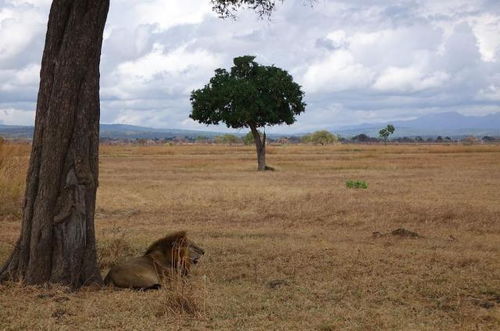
pixel 181 297
pixel 114 249
pixel 13 165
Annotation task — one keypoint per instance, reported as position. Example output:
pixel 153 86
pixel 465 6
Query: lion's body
pixel 174 253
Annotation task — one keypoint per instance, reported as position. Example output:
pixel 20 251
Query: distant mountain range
pixel 443 124
pixel 114 131
pixel 120 131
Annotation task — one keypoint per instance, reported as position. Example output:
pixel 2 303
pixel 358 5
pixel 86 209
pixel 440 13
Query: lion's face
pixel 184 254
pixel 178 252
pixel 195 252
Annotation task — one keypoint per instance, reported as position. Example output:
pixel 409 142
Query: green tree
pixel 248 138
pixel 323 137
pixel 57 237
pixel 249 96
pixel 306 139
pixel 386 132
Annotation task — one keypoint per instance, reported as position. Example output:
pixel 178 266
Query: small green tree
pixel 386 132
pixel 249 96
pixel 248 139
pixel 323 137
pixel 306 139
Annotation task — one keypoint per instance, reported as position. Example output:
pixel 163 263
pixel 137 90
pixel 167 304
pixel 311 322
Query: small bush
pixel 321 137
pixel 356 184
pixel 470 140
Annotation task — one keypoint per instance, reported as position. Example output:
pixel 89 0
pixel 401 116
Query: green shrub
pixel 322 137
pixel 356 184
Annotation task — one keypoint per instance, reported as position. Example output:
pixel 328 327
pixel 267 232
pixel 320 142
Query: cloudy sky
pixel 358 61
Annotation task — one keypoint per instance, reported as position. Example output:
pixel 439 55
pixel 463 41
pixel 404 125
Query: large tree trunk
pixel 260 144
pixel 57 242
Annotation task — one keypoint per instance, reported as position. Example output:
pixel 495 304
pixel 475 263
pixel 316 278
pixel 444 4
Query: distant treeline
pixel 315 138
pixel 322 137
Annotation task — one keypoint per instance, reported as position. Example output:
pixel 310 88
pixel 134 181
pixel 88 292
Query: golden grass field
pixel 291 249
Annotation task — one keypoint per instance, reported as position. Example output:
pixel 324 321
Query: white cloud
pixel 163 14
pixel 18 28
pixel 12 116
pixel 35 3
pixel 172 12
pixel 491 92
pixel 486 27
pixel 337 72
pixel 175 62
pixel 433 9
pixel 338 38
pixel 409 79
pixel 177 71
pixel 26 77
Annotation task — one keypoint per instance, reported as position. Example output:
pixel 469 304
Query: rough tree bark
pixel 57 241
pixel 260 144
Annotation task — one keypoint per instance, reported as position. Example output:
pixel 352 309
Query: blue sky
pixel 358 61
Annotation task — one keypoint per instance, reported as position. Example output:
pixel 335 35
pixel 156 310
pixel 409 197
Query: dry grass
pixel 13 165
pixel 291 249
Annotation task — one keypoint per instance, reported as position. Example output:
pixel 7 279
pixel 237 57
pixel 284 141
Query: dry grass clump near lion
pixel 293 249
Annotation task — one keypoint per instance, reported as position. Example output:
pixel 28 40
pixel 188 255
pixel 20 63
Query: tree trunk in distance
pixel 260 144
pixel 57 241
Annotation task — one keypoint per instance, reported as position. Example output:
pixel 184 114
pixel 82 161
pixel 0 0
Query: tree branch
pixel 228 8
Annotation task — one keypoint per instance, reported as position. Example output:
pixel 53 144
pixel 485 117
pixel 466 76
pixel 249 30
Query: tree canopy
pixel 250 95
pixel 322 137
pixel 228 8
pixel 386 132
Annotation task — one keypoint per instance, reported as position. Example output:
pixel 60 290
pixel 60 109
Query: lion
pixel 173 253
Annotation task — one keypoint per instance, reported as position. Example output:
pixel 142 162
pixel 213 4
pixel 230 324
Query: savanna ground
pixel 289 249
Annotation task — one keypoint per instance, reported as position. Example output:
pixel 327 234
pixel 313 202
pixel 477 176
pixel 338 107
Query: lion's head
pixel 175 251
